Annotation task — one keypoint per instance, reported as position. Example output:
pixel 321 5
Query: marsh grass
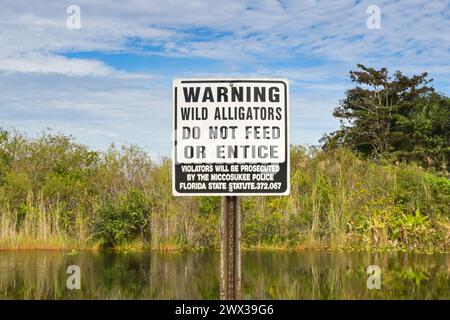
pixel 57 194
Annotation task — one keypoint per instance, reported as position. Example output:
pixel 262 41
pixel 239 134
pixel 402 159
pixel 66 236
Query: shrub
pixel 123 221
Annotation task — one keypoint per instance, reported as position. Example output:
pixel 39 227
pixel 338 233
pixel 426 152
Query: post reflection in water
pixel 266 275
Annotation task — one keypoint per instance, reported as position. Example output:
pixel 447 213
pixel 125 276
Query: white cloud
pixel 247 29
pixel 54 64
pixel 97 110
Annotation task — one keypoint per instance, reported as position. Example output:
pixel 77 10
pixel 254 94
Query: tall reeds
pixel 55 193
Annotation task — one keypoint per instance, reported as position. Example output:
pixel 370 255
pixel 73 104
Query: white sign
pixel 231 137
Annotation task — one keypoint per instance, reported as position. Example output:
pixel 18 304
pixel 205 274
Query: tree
pixel 399 116
pixel 425 132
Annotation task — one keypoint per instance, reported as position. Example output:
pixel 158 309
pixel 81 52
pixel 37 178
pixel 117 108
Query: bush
pixel 123 221
pixel 53 189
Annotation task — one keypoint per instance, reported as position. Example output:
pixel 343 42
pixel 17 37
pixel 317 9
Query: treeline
pixel 399 116
pixel 56 193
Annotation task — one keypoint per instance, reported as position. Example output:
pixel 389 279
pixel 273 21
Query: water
pixel 266 275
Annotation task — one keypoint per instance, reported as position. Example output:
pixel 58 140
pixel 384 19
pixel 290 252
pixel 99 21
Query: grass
pixel 57 194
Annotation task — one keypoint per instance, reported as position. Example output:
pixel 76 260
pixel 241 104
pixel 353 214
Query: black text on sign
pixel 222 128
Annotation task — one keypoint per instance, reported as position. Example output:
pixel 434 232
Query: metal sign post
pixel 230 249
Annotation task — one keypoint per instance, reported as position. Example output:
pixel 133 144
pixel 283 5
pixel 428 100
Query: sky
pixel 110 80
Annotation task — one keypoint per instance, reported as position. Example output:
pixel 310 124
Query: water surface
pixel 266 275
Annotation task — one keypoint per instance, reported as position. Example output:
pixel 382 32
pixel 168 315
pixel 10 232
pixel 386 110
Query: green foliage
pixel 55 192
pixel 123 221
pixel 209 205
pixel 440 188
pixel 399 117
pixel 340 201
pixel 4 156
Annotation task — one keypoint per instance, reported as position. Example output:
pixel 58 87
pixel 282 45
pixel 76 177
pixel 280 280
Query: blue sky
pixel 110 81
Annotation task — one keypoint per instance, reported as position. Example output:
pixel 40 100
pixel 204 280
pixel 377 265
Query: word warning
pixel 231 137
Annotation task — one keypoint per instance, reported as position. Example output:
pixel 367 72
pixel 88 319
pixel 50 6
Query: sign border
pixel 177 82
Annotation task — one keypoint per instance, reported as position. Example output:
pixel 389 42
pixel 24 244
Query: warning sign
pixel 231 137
